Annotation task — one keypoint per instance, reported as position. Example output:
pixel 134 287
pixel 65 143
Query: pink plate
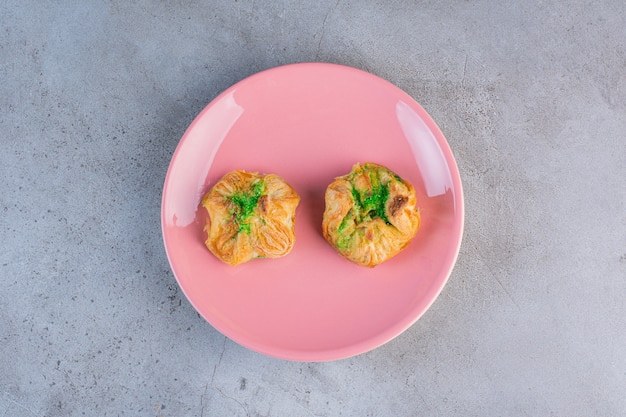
pixel 309 123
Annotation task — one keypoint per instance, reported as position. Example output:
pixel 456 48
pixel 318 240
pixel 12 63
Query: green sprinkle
pixel 344 242
pixel 344 223
pixel 356 196
pixel 245 203
pixel 372 203
pixel 368 204
pixel 244 227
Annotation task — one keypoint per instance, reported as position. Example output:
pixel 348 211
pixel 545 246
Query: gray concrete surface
pixel 94 97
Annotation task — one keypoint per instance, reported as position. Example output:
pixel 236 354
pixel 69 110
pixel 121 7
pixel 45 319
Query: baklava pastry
pixel 250 216
pixel 370 214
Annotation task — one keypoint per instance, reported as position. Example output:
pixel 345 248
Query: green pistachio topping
pixel 368 204
pixel 371 203
pixel 245 202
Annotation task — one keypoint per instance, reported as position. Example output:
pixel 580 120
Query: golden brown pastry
pixel 370 214
pixel 250 216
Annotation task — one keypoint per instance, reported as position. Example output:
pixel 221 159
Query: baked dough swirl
pixel 370 214
pixel 250 216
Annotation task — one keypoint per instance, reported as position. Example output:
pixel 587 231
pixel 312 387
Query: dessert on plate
pixel 250 216
pixel 371 214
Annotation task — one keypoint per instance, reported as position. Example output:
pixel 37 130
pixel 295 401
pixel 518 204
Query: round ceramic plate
pixel 309 123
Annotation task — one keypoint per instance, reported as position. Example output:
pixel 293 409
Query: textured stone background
pixel 94 97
